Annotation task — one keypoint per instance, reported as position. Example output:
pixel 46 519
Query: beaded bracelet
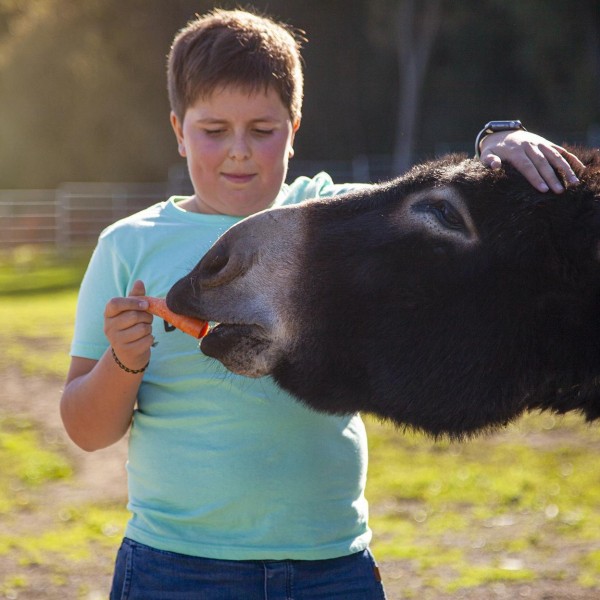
pixel 122 366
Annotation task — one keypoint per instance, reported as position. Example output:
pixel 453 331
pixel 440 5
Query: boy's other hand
pixel 536 158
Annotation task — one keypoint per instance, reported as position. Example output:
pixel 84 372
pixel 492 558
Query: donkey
pixel 449 300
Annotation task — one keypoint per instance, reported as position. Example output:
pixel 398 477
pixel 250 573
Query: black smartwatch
pixel 493 127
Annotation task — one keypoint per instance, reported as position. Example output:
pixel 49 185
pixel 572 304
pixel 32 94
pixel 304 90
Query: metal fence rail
pixel 72 215
pixel 27 216
pixel 75 213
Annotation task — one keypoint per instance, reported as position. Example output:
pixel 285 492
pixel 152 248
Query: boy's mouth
pixel 238 178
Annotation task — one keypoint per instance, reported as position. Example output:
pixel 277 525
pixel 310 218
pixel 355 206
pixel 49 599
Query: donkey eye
pixel 447 215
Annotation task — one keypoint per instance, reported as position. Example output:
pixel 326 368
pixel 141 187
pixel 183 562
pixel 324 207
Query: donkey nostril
pixel 219 267
pixel 217 262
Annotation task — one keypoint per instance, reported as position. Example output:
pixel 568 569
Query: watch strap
pixel 494 127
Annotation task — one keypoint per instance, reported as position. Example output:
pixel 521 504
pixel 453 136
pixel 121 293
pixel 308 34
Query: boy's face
pixel 237 147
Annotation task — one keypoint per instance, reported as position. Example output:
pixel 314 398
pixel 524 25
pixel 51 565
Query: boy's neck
pixel 192 204
pixel 189 205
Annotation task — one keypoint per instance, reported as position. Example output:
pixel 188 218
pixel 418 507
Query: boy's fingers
pixel 116 306
pixel 564 162
pixel 573 161
pixel 139 333
pixel 491 160
pixel 529 165
pixel 552 160
pixel 130 332
pixel 545 164
pixel 133 345
pixel 138 289
pixel 524 165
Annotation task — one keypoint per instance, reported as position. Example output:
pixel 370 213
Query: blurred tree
pixel 410 28
pixel 83 90
pixel 557 49
pixel 333 124
pixel 10 11
pixel 528 60
pixel 82 84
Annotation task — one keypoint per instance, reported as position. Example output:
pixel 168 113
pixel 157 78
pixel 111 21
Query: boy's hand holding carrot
pixel 128 328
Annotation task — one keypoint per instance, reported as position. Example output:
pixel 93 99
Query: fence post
pixel 63 226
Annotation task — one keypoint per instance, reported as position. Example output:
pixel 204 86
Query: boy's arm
pixel 537 159
pixel 99 396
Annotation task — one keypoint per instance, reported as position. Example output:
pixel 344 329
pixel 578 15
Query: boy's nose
pixel 240 149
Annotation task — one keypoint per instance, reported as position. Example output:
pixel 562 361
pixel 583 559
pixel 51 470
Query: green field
pixel 517 508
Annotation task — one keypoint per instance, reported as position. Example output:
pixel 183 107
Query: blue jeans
pixel 144 573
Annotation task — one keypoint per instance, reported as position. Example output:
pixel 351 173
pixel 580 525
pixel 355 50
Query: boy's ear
pixel 178 130
pixel 295 127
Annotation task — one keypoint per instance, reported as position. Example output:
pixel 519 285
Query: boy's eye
pixel 213 131
pixel 263 131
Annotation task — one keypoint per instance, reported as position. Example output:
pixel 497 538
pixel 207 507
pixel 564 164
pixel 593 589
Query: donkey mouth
pixel 225 339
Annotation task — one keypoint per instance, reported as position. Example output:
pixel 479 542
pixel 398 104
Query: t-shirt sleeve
pixel 107 276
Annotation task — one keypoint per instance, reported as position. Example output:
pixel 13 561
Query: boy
pixel 236 490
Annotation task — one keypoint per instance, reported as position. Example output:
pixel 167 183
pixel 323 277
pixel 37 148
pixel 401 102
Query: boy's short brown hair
pixel 235 47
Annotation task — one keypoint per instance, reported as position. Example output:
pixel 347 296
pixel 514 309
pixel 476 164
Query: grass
pixel 442 506
pixel 27 463
pixel 73 544
pixel 42 537
pixel 37 331
pixel 38 298
pixel 35 269
pixel 72 537
pixel 516 507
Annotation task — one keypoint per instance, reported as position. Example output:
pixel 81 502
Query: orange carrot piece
pixel 158 307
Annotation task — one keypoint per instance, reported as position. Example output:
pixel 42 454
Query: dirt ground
pixel 100 477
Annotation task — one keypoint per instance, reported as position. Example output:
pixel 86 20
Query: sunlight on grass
pixel 27 462
pixel 34 536
pixel 37 331
pixel 73 537
pixel 429 499
pixel 474 576
pixel 38 295
pixel 30 268
pixel 590 573
pixel 80 538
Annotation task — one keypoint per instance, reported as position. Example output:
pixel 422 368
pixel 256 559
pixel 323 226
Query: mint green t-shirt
pixel 221 466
